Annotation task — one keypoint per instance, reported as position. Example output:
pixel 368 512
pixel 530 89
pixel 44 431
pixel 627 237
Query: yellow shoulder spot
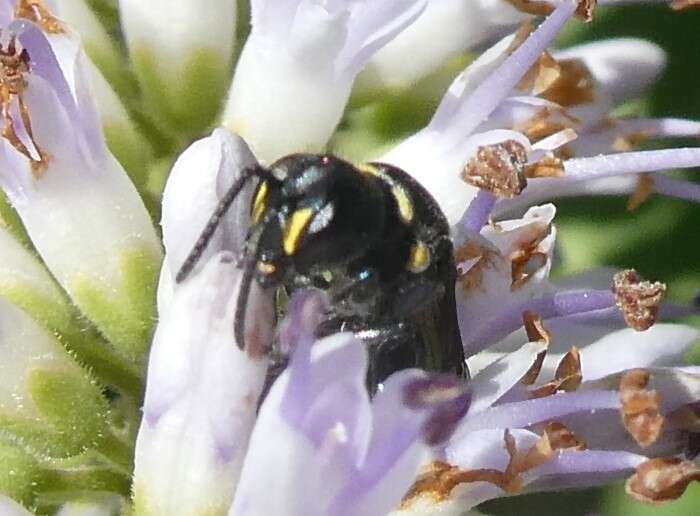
pixel 295 228
pixel 369 169
pixel 418 258
pixel 260 202
pixel 404 202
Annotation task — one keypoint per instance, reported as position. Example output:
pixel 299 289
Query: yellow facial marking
pixel 295 228
pixel 266 268
pixel 260 202
pixel 404 202
pixel 418 258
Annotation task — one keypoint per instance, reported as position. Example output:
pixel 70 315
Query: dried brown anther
pixel 645 189
pixel 38 12
pixel 498 168
pixel 575 84
pixel 562 438
pixel 585 9
pixel 541 76
pixel 549 166
pixel 481 257
pixel 524 264
pixel 640 408
pixel 568 376
pixel 662 479
pixel 14 65
pixel 536 332
pixel 638 300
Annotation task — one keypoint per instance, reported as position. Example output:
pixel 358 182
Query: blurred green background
pixel 661 239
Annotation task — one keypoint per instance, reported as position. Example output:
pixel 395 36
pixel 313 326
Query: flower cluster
pixel 126 391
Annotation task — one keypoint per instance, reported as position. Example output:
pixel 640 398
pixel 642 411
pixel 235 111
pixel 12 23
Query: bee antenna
pixel 250 260
pixel 213 223
pixel 242 303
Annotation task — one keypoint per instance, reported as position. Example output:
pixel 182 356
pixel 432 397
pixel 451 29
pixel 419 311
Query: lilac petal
pixel 341 455
pixel 528 412
pixel 553 305
pixel 7 12
pixel 582 469
pixel 678 188
pixel 493 381
pixel 497 86
pixel 392 459
pixel 580 169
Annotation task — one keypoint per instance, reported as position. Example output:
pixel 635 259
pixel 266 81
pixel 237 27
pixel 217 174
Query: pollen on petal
pixel 638 300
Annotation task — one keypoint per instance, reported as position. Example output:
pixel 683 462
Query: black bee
pixel 372 238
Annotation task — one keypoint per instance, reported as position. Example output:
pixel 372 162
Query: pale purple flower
pixel 558 369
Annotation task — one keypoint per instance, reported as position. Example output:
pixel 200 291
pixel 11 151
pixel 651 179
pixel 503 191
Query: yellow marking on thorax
pixel 369 169
pixel 403 199
pixel 260 202
pixel 295 228
pixel 404 202
pixel 418 258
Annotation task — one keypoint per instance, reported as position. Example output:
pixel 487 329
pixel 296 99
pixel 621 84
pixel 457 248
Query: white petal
pixel 199 179
pixel 201 396
pixel 294 76
pixel 8 507
pixel 446 28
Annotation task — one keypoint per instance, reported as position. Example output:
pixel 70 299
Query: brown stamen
pixel 536 332
pixel 574 86
pixel 585 9
pixel 549 166
pixel 541 76
pixel 441 478
pixel 638 300
pixel 485 258
pixel 498 168
pixel 645 189
pixel 662 479
pixel 14 65
pixel 39 13
pixel 568 376
pixel 640 408
pixel 562 438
